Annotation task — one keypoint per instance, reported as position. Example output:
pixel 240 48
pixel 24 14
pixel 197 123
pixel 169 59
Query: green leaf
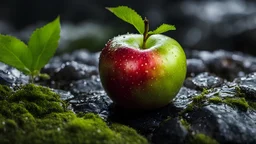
pixel 129 15
pixel 162 28
pixel 43 44
pixel 15 53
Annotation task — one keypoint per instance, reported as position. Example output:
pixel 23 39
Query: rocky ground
pixel 217 103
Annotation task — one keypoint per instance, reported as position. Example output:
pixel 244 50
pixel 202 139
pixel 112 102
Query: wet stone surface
pixel 218 98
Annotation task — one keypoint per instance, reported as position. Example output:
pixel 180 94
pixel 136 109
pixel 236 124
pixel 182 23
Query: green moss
pixel 35 114
pixel 252 105
pixel 189 108
pixel 197 101
pixel 199 98
pixel 5 91
pixel 127 135
pixel 215 100
pixel 202 139
pixel 239 93
pixel 38 100
pixel 237 102
pixel 185 123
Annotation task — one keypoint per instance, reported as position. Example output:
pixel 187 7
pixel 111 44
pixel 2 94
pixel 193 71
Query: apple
pixel 142 77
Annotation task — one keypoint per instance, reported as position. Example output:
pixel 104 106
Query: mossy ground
pixel 202 139
pixel 239 101
pixel 35 114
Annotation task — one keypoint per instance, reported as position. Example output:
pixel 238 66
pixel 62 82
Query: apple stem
pixel 145 35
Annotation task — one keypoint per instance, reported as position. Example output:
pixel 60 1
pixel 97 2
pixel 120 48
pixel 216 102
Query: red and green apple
pixel 142 71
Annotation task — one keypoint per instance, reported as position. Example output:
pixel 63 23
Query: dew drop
pixel 146 63
pixel 146 71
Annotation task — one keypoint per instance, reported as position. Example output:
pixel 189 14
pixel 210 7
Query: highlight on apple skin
pixel 142 78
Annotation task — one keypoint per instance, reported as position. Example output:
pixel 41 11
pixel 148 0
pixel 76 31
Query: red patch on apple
pixel 127 69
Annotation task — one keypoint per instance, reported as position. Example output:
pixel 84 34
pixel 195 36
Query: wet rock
pixel 64 95
pixel 94 101
pixel 147 121
pixel 226 91
pixel 86 57
pixel 76 59
pixel 204 81
pixel 228 65
pixel 6 79
pixel 170 132
pixel 11 76
pixel 74 71
pixel 184 97
pixel 86 85
pixel 224 123
pixel 247 85
pixel 195 66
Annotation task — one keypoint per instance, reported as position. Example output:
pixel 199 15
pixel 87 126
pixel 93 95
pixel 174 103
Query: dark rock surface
pixel 170 132
pixel 218 99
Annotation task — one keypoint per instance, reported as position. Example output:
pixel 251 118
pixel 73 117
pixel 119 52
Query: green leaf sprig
pixel 129 15
pixel 30 58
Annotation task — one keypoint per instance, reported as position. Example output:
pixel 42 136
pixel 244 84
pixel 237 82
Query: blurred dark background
pixel 203 25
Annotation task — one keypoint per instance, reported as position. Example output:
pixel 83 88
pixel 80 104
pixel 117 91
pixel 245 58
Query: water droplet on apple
pixel 146 71
pixel 146 63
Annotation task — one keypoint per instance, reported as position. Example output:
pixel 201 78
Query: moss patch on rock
pixel 201 138
pixel 185 123
pixel 35 114
pixel 238 102
pixel 215 100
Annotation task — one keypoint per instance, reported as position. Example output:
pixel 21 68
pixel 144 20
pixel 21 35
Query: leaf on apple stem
pixel 162 28
pixel 129 15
